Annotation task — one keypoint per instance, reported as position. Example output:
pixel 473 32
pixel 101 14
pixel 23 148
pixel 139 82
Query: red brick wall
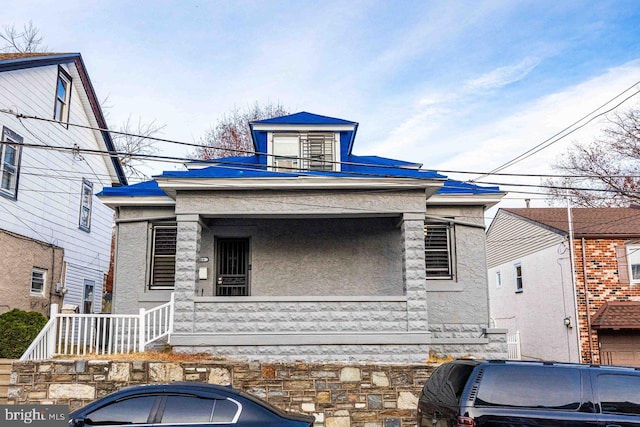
pixel 602 286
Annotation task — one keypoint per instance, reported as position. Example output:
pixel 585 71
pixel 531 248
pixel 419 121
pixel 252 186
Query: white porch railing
pixel 80 334
pixel 513 346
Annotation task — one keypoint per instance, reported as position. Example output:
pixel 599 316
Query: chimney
pixel 526 202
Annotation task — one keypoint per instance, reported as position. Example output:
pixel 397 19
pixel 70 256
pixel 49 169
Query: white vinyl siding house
pixel 55 203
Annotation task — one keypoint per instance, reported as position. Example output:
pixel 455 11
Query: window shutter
pixel 437 252
pixel 164 257
pixel 623 266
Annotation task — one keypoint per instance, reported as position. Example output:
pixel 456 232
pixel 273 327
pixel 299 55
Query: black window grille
pixel 232 267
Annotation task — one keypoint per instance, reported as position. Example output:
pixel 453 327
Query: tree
pixel 230 136
pixel 133 141
pixel 610 164
pixel 26 41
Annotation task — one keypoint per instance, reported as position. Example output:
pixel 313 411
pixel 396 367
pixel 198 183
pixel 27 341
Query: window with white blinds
pixel 163 264
pixel 438 250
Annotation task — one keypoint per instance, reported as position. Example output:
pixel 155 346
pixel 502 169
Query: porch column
pixel 186 280
pixel 413 272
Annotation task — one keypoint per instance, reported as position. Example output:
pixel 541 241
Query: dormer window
pixel 301 151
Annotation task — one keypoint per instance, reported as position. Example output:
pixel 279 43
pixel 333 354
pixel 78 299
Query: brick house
pixel 306 251
pixel 580 308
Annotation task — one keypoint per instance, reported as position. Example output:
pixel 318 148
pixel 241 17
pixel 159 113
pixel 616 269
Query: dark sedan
pixel 178 404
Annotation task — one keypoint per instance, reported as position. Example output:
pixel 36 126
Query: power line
pixel 221 163
pixel 559 135
pixel 175 159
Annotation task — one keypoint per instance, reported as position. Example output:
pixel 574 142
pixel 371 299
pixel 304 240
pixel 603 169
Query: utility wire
pixel 160 158
pixel 559 135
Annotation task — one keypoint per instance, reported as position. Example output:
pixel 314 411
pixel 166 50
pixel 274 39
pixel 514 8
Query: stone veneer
pixel 338 395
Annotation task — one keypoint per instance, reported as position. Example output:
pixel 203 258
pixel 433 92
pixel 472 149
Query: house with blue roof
pixel 304 250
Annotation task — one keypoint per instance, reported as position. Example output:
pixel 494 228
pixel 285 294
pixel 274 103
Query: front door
pixel 232 267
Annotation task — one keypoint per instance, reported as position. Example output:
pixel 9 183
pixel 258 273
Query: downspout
pixel 586 299
pixel 573 277
pixel 116 236
pixel 53 274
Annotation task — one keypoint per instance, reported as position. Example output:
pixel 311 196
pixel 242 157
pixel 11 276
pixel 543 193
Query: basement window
pixel 38 279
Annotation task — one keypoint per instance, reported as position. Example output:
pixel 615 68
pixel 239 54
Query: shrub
pixel 18 329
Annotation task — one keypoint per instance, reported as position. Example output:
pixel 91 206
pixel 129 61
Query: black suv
pixel 485 393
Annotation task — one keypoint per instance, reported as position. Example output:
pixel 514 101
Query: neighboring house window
pixel 304 151
pixel 438 253
pixel 85 205
pixel 38 278
pixel 518 273
pixel 633 259
pixel 498 280
pixel 63 95
pixel 87 299
pixel 10 150
pixel 163 257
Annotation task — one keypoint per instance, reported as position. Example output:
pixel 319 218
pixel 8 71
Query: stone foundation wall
pixel 338 395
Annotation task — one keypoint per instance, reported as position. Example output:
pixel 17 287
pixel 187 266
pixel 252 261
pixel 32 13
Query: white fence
pixel 513 346
pixel 80 334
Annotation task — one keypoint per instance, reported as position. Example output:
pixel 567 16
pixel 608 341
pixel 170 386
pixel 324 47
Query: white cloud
pixel 503 76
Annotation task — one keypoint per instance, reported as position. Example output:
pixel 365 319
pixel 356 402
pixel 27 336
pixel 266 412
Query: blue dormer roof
pixel 256 166
pixel 260 128
pixel 304 118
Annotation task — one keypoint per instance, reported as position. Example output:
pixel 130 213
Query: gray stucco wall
pixel 315 256
pixel 463 300
pixel 225 204
pixel 130 291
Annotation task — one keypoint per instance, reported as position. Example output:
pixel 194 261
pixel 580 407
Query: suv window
pixel 446 384
pixel 619 393
pixel 530 386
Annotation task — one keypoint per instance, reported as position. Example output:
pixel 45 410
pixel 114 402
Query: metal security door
pixel 232 267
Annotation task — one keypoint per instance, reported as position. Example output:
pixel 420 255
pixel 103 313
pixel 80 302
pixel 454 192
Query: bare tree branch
pixel 26 41
pixel 230 136
pixel 135 142
pixel 609 163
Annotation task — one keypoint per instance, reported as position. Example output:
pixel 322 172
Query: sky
pixel 454 85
